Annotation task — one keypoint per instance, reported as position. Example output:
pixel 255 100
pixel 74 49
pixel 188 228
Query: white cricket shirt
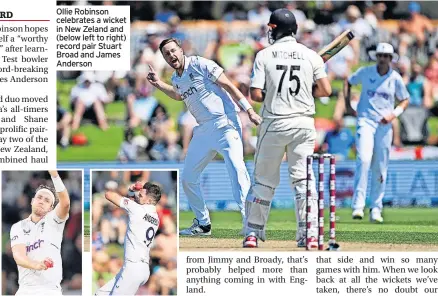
pixel 287 71
pixel 378 92
pixel 42 239
pixel 143 224
pixel 205 99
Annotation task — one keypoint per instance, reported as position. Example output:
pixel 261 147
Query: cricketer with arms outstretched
pixel 208 94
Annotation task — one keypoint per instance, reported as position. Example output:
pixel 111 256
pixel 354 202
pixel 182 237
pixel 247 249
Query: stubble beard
pixel 39 212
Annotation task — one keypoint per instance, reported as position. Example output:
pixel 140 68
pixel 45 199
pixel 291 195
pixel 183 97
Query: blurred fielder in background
pixel 286 71
pixel 134 238
pixel 375 111
pixel 36 240
pixel 208 94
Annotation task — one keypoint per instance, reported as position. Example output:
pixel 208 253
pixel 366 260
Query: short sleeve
pixel 16 235
pixel 210 69
pixel 401 91
pixel 53 219
pixel 258 74
pixel 318 68
pixel 356 77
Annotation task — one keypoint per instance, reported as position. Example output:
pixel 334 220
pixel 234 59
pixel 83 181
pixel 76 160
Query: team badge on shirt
pixel 26 228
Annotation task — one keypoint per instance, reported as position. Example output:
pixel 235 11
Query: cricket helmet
pixel 282 23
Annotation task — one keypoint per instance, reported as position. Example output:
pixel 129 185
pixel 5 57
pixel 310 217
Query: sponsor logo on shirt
pixel 14 238
pixel 191 77
pixel 33 246
pixel 372 93
pixel 189 92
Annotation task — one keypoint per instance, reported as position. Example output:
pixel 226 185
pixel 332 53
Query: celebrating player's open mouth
pixel 175 63
pixel 174 56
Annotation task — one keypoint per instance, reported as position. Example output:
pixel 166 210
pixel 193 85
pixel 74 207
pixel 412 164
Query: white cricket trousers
pixel 373 144
pixel 39 290
pixel 129 279
pixel 277 137
pixel 222 136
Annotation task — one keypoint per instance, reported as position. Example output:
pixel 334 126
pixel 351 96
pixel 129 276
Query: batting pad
pixel 301 209
pixel 257 210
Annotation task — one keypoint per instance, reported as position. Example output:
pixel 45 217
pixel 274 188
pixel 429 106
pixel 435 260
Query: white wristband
pixel 59 185
pixel 397 111
pixel 245 104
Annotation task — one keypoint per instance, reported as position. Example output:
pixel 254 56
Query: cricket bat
pixel 336 45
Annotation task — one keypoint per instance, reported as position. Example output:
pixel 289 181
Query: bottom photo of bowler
pixel 134 232
pixel 42 232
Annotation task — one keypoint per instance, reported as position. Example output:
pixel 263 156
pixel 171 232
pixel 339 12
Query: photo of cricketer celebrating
pixel 208 94
pixel 36 241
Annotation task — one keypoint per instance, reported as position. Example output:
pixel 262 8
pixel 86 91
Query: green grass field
pixel 401 226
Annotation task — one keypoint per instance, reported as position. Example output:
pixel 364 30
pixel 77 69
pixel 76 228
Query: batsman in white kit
pixel 36 241
pixel 143 224
pixel 375 112
pixel 286 77
pixel 209 95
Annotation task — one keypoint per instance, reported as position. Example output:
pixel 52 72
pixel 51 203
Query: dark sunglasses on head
pixel 383 55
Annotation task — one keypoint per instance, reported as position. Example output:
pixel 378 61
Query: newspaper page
pixel 206 148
